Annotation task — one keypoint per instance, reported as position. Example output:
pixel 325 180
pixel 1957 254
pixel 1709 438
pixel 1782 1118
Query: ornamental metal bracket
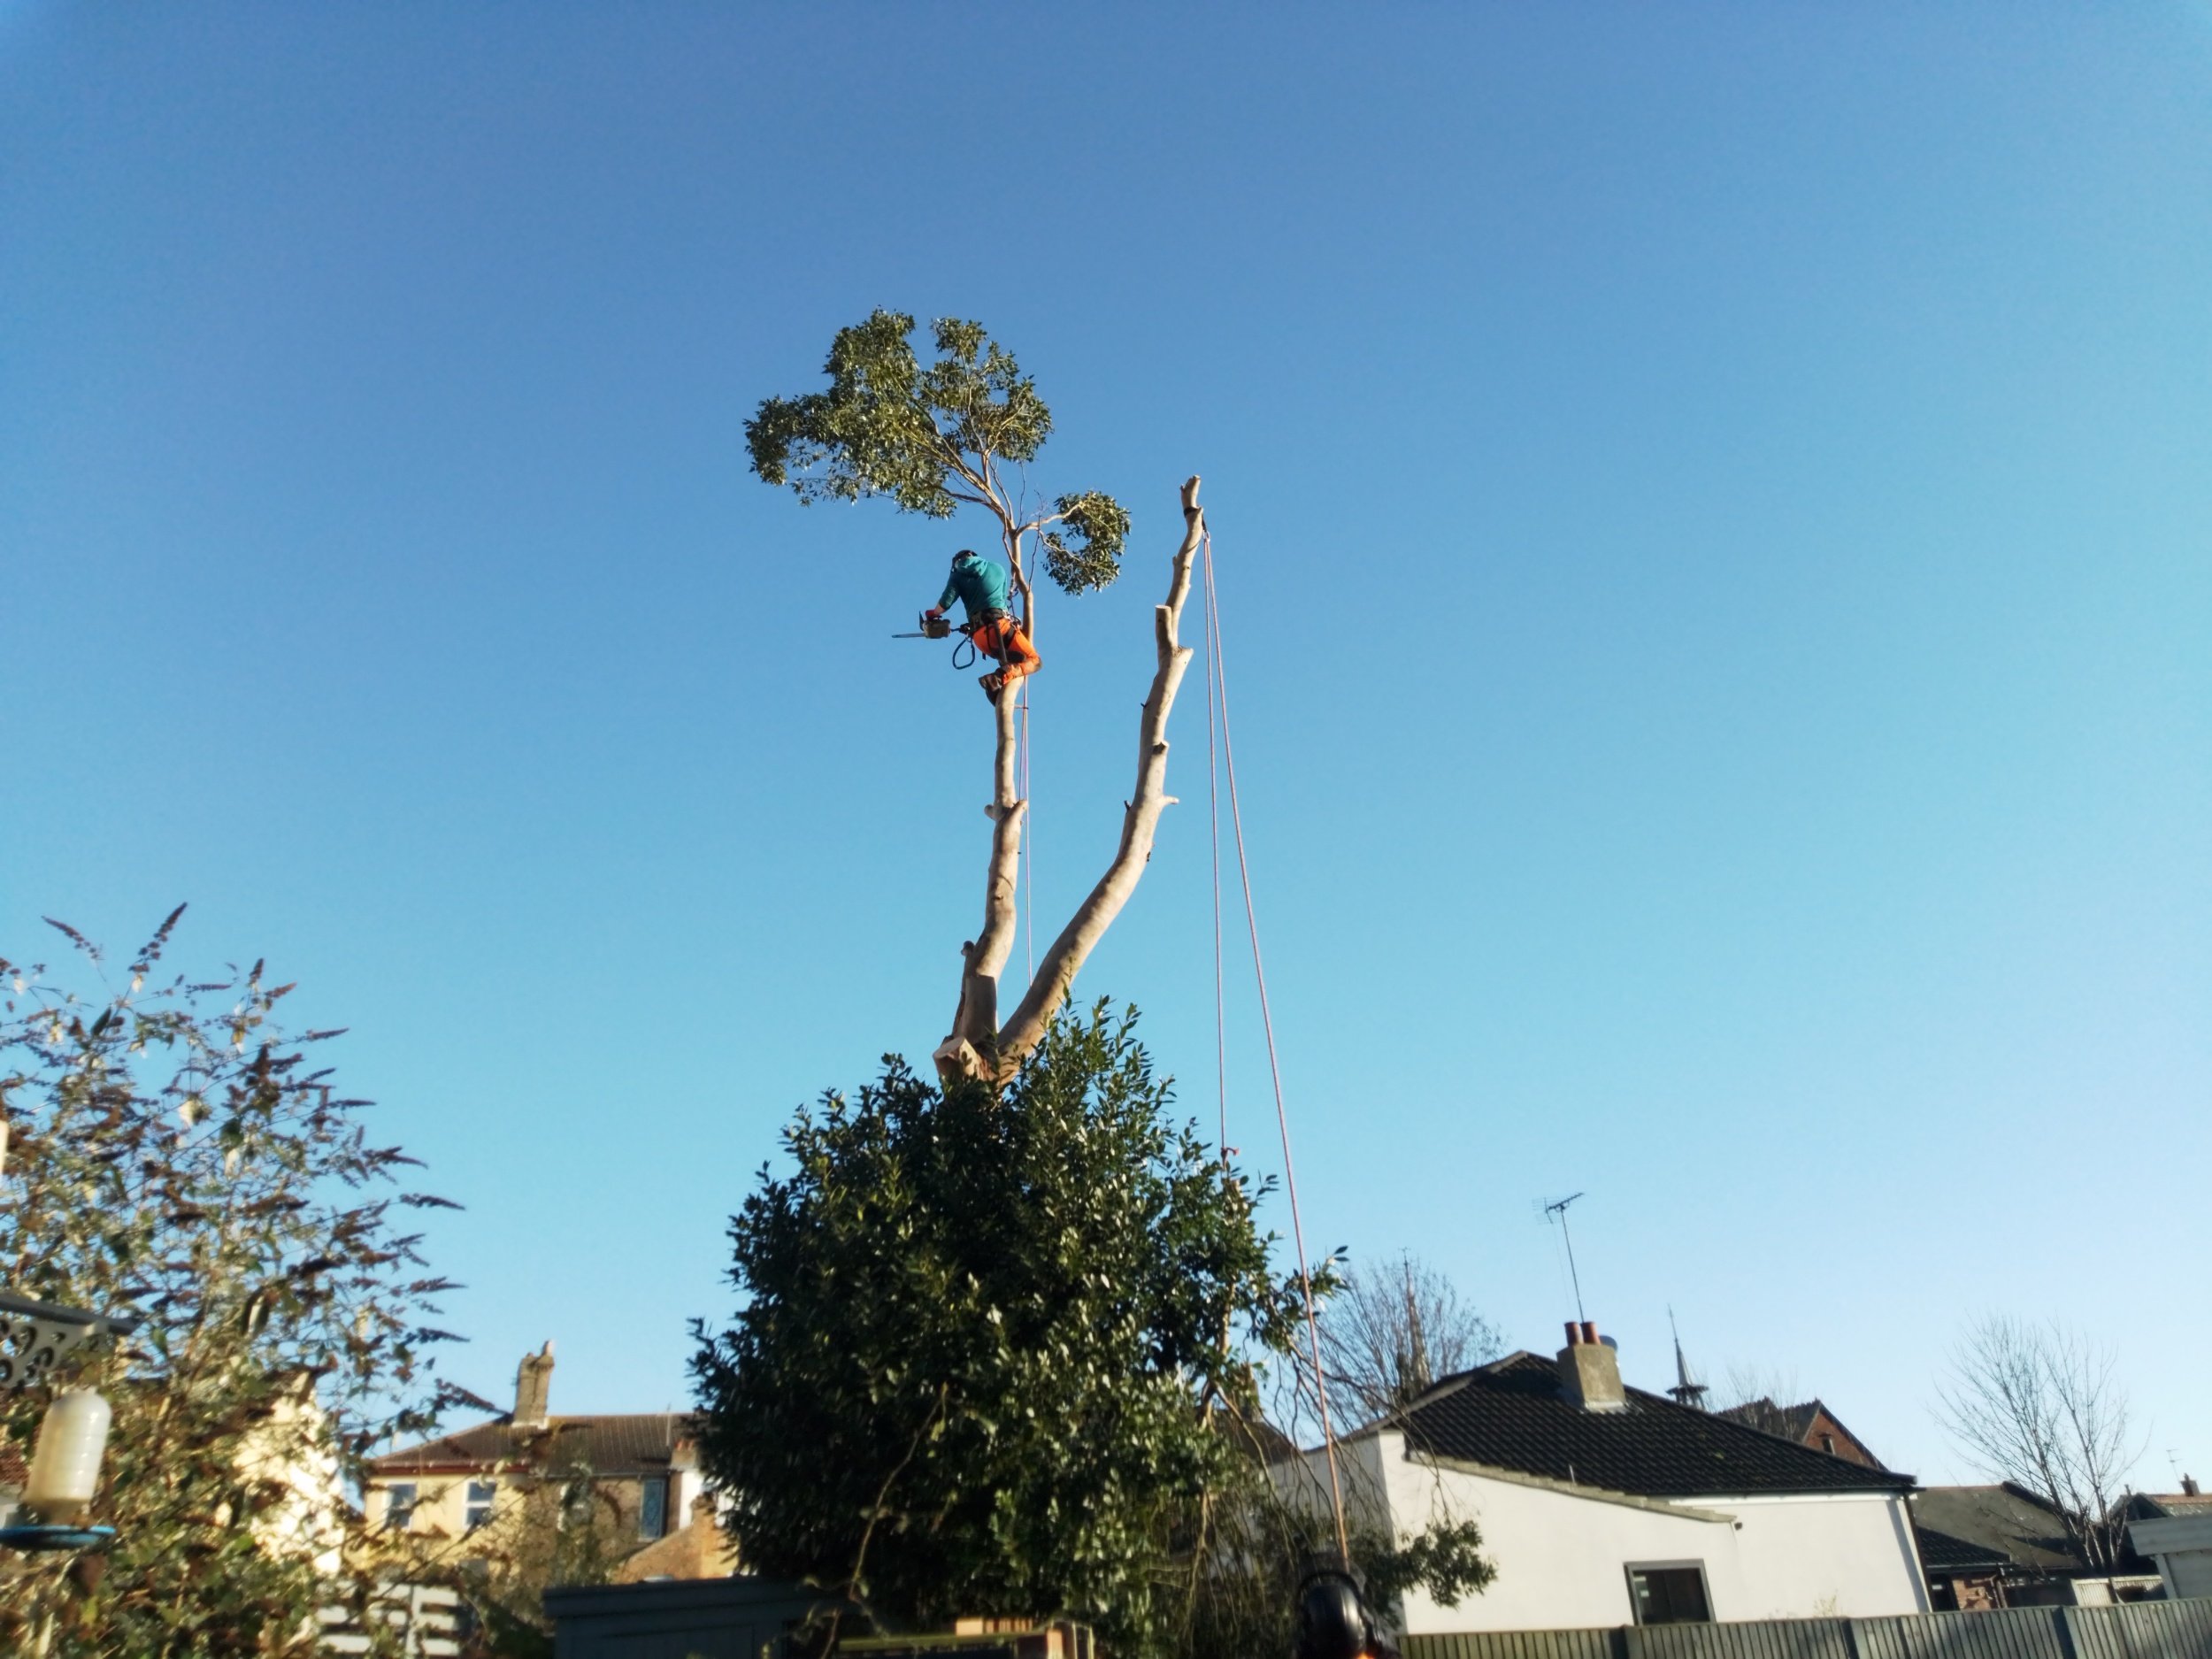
pixel 35 1335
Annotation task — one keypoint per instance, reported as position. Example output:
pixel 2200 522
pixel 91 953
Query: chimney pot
pixel 1574 1333
pixel 1589 1331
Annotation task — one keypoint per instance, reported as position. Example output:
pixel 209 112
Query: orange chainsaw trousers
pixel 1001 637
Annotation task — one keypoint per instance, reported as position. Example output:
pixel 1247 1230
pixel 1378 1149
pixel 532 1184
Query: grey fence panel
pixel 2020 1633
pixel 2132 1630
pixel 2093 1634
pixel 2141 1630
pixel 1518 1644
pixel 695 1618
pixel 1764 1638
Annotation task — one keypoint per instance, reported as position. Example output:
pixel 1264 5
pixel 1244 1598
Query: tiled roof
pixel 2007 1520
pixel 1798 1422
pixel 2164 1503
pixel 1939 1552
pixel 1792 1423
pixel 622 1445
pixel 1511 1414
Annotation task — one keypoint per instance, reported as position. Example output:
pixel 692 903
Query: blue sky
pixel 1712 510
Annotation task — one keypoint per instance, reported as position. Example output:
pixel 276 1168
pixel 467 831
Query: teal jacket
pixel 978 584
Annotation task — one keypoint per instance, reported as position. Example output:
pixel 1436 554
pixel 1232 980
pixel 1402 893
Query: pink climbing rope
pixel 1220 686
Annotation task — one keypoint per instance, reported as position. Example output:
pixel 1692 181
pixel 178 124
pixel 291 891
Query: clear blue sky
pixel 1713 505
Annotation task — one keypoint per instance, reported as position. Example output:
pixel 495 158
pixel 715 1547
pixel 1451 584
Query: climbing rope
pixel 1029 832
pixel 1218 686
pixel 1213 822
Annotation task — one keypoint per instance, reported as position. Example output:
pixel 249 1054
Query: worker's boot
pixel 993 684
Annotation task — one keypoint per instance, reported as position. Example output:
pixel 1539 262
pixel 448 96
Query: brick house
pixel 640 1471
pixel 1811 1424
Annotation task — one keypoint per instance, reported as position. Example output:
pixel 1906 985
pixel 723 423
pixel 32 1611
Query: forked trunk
pixel 979 1045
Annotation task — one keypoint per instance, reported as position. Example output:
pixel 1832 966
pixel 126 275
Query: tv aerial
pixel 1556 1210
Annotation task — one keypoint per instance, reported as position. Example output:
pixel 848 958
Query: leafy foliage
pixel 1264 1542
pixel 931 438
pixel 999 1355
pixel 172 1157
pixel 1090 555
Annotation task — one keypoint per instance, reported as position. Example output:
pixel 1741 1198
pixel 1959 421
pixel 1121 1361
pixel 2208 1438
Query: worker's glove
pixel 932 613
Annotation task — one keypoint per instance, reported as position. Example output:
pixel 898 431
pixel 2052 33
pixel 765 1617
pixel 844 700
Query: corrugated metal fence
pixel 2132 1630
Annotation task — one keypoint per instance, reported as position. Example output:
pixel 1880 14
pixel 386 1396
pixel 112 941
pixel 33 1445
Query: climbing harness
pixel 1219 687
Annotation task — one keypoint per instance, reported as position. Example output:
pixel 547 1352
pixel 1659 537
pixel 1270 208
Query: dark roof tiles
pixel 1940 1553
pixel 615 1444
pixel 2007 1520
pixel 1511 1415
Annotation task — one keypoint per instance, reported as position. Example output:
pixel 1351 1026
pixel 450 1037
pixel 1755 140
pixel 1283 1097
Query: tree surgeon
pixel 935 438
pixel 981 587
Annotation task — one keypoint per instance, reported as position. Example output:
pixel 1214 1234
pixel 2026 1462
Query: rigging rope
pixel 1218 686
pixel 1029 856
pixel 1213 821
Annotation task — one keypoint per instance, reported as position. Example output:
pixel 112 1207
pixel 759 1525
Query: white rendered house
pixel 1602 1505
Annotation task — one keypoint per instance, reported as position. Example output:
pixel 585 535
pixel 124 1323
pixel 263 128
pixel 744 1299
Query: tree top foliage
pixel 933 438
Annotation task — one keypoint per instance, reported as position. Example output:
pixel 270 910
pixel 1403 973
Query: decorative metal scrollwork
pixel 34 1335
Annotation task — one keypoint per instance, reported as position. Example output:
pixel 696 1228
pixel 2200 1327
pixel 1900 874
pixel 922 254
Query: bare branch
pixel 2037 1406
pixel 1055 974
pixel 1397 1327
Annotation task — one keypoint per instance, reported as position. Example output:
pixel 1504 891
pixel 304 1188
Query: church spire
pixel 1686 1393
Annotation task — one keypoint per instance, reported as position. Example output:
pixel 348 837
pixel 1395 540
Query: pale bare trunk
pixel 969 1050
pixel 978 1046
pixel 1140 817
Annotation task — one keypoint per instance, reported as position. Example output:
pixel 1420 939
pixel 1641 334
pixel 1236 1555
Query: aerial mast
pixel 1558 1212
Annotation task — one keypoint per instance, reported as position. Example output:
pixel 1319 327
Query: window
pixel 579 1501
pixel 1828 1444
pixel 652 1509
pixel 399 1506
pixel 480 1494
pixel 1670 1592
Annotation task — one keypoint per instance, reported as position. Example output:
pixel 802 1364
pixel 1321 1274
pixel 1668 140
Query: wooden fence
pixel 2132 1630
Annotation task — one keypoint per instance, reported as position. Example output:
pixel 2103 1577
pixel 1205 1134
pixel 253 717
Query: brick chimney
pixel 2189 1486
pixel 1589 1370
pixel 534 1386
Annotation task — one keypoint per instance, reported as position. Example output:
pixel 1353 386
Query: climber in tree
pixel 981 585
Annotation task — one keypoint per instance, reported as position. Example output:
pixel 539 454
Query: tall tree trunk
pixel 970 1050
pixel 979 1047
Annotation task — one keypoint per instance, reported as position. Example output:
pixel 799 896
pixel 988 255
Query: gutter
pixel 1566 1488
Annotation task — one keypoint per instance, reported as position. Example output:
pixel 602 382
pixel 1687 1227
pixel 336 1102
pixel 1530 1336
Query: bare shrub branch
pixel 2037 1405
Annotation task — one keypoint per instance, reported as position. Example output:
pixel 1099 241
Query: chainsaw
pixel 942 627
pixel 934 628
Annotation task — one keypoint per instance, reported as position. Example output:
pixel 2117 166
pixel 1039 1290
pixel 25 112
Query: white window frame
pixel 406 1521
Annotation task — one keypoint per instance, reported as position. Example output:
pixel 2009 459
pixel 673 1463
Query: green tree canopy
pixel 998 1354
pixel 933 438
